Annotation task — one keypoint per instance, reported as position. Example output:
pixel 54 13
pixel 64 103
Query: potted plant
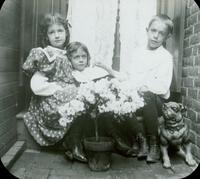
pixel 96 98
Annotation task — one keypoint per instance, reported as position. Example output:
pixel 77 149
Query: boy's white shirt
pixel 152 68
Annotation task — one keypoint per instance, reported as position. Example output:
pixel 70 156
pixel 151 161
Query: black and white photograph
pixel 99 89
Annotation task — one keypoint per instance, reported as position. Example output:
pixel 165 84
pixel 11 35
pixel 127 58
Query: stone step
pixel 9 158
pixel 23 134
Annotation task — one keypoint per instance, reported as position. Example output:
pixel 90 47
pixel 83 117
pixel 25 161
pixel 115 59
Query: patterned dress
pixel 42 118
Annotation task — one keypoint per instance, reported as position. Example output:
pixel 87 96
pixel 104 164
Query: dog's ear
pixel 182 107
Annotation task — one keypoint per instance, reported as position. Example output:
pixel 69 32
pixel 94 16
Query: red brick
pixel 196 151
pixel 197 82
pixel 196 105
pixel 199 17
pixel 195 127
pixel 197 28
pixel 186 43
pixel 188 82
pixel 187 52
pixel 195 50
pixel 192 115
pixel 192 20
pixel 198 94
pixel 184 91
pixel 189 61
pixel 187 101
pixel 190 71
pixel 192 93
pixel 198 118
pixel 197 60
pixel 187 13
pixel 188 32
pixel 184 72
pixel 195 39
pixel 193 137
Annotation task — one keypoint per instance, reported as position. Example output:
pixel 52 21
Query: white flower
pixel 63 122
pixel 119 98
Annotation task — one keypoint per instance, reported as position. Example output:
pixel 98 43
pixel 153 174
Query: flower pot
pixel 99 153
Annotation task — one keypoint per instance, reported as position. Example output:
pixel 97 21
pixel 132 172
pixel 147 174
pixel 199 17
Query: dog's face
pixel 172 112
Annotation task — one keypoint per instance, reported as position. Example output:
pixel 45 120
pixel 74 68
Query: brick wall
pixel 191 73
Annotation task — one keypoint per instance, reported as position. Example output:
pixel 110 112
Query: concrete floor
pixel 34 164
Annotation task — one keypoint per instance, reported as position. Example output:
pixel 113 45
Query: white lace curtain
pixel 134 18
pixel 93 23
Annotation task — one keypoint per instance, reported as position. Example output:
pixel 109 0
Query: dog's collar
pixel 173 129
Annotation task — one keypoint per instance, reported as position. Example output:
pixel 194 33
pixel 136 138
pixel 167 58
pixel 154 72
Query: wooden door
pixel 32 11
pixel 175 9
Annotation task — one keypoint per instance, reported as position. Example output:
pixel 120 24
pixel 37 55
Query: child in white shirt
pixel 151 70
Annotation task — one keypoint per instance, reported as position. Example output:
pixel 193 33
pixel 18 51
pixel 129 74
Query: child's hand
pixel 143 88
pixel 99 64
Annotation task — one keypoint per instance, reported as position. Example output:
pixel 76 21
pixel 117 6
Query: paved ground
pixel 50 165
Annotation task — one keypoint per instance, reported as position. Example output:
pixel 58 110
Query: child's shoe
pixel 143 149
pixel 154 150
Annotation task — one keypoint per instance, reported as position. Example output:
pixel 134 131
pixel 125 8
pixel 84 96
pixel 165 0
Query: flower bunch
pixel 103 96
pixel 70 110
pixel 125 102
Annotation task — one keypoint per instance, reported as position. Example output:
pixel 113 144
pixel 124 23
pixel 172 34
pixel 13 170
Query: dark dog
pixel 175 131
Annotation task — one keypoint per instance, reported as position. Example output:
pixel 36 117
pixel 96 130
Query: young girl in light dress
pixel 83 126
pixel 49 61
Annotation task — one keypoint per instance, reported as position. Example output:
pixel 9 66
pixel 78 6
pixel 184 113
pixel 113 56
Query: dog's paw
pixel 167 164
pixel 190 161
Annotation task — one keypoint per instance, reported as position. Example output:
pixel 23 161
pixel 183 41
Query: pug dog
pixel 174 131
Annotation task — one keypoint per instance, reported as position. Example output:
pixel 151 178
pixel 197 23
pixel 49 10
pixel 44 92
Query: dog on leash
pixel 174 131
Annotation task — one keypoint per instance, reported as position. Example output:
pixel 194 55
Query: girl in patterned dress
pixel 51 62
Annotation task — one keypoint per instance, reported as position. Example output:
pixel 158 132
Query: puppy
pixel 174 131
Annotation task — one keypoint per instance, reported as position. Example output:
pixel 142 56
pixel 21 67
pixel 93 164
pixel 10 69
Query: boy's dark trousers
pixel 150 112
pixel 121 132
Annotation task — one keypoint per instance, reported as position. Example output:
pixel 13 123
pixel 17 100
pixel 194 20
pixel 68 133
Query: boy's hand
pixel 143 88
pixel 99 64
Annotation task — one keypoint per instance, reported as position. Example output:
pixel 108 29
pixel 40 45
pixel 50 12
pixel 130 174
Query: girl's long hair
pixel 48 20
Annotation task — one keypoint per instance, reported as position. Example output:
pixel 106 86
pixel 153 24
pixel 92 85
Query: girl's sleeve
pixel 33 61
pixel 41 87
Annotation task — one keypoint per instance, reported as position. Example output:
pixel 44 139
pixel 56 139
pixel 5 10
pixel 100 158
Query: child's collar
pixel 52 52
pixel 57 49
pixel 153 50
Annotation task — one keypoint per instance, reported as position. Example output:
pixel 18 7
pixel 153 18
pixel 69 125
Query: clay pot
pixel 99 153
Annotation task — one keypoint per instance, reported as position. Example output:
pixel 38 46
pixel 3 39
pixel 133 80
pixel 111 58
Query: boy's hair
pixel 165 19
pixel 74 46
pixel 48 20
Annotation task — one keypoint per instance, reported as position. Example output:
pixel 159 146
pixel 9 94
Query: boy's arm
pixel 41 87
pixel 116 74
